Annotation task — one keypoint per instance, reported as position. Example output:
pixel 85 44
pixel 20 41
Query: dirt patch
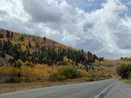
pixel 117 63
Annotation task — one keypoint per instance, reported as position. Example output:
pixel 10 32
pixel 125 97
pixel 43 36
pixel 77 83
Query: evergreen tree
pixel 1 36
pixel 29 44
pixel 8 34
pixel 22 38
pixel 37 46
pixel 44 39
pixel 0 45
pixel 12 35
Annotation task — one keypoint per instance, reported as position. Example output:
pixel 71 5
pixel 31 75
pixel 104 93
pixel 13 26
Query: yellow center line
pixel 62 91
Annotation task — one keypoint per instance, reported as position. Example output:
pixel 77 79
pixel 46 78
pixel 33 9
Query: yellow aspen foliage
pixel 8 70
pixel 39 71
pixel 84 72
pixel 27 72
pixel 80 65
pixel 96 62
pixel 66 59
pixel 106 63
pixel 54 69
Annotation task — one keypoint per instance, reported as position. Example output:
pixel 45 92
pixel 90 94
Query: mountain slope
pixel 33 57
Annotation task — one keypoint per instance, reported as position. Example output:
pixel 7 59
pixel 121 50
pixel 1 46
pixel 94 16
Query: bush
pixel 124 71
pixel 56 77
pixel 65 73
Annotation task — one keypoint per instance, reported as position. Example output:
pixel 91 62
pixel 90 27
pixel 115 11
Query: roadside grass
pixel 13 87
pixel 126 81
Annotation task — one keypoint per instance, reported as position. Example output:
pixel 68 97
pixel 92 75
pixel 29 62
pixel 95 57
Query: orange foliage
pixel 39 71
pixel 106 63
pixel 9 70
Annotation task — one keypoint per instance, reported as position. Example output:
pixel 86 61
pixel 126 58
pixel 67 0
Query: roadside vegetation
pixel 28 58
pixel 124 71
pixel 124 68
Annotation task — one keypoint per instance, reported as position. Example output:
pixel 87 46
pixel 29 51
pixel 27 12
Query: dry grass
pixel 127 81
pixel 117 63
pixel 12 87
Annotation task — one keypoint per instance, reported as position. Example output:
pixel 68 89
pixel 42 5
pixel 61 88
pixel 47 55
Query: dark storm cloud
pixel 92 44
pixel 123 39
pixel 87 26
pixel 42 11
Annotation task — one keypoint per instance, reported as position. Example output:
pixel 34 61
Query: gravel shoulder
pixel 119 90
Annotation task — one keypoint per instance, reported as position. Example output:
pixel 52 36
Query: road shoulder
pixel 119 90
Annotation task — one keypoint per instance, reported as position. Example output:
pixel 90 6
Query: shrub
pixel 69 72
pixel 124 71
pixel 65 73
pixel 56 77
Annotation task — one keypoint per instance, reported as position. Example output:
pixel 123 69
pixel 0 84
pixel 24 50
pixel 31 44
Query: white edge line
pixel 105 89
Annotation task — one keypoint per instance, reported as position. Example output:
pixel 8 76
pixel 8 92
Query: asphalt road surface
pixel 79 90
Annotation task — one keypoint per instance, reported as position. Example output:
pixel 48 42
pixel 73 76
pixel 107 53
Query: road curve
pixel 79 90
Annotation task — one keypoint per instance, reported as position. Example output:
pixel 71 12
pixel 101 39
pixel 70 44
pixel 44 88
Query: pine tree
pixel 1 36
pixel 0 45
pixel 29 44
pixel 8 34
pixel 44 38
pixel 37 46
pixel 12 34
pixel 22 38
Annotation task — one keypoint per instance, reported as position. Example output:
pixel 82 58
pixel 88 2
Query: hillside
pixel 27 57
pixel 117 63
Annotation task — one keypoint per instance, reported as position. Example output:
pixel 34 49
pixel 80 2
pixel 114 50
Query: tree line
pixel 43 55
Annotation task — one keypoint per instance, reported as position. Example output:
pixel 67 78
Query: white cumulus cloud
pixel 104 31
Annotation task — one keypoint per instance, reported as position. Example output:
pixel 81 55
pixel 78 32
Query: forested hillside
pixel 27 57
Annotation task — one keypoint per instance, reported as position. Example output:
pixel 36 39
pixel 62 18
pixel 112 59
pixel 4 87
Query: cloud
pixel 2 13
pixel 113 29
pixel 42 10
pixel 102 27
pixel 61 19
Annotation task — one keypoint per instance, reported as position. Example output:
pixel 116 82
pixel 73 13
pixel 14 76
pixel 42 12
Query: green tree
pixel 0 45
pixel 1 36
pixel 22 38
pixel 12 34
pixel 37 46
pixel 29 44
pixel 44 38
pixel 124 71
pixel 8 34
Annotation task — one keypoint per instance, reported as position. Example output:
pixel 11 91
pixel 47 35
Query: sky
pixel 102 27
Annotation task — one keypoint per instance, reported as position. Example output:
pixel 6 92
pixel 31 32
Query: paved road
pixel 79 90
pixel 119 90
